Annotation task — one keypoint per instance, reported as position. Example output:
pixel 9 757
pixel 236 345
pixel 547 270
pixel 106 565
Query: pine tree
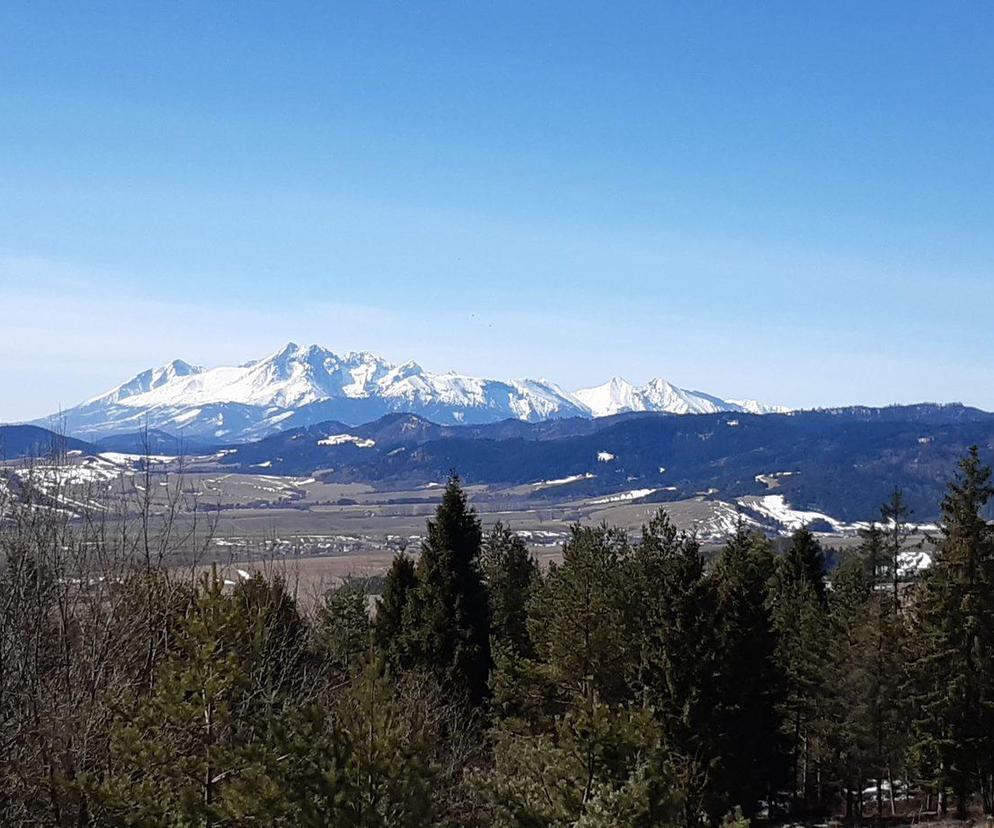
pixel 595 766
pixel 511 573
pixel 172 753
pixel 798 604
pixel 895 515
pixel 804 562
pixel 678 669
pixel 954 667
pixel 844 721
pixel 342 629
pixel 449 626
pixel 865 717
pixel 275 644
pixel 390 762
pixel 751 684
pixel 390 628
pixel 579 620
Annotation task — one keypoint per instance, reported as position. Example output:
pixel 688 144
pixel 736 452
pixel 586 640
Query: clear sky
pixel 792 201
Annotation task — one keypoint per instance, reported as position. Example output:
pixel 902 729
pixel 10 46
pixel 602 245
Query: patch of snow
pixel 122 459
pixel 772 481
pixel 634 494
pixel 776 508
pixel 562 481
pixel 341 439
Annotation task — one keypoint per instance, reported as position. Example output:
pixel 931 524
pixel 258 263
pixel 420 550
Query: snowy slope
pixel 619 395
pixel 300 386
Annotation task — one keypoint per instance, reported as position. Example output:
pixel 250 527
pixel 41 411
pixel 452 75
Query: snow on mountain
pixel 619 395
pixel 300 386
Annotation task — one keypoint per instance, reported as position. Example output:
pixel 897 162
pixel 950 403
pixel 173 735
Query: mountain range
pixel 301 386
pixel 821 466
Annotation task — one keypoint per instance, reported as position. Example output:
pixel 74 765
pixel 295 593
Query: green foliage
pixel 633 684
pixel 580 614
pixel 596 765
pixel 172 753
pixel 804 562
pixel 752 688
pixel 511 574
pixel 679 657
pixel 798 603
pixel 343 630
pixel 211 745
pixel 392 610
pixel 954 650
pixel 448 625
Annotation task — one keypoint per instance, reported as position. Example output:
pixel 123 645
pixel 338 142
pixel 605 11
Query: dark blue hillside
pixel 844 461
pixel 24 441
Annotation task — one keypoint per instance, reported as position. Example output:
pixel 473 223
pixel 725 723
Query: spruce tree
pixel 798 603
pixel 865 717
pixel 895 515
pixel 954 667
pixel 342 629
pixel 804 562
pixel 845 721
pixel 511 573
pixel 751 684
pixel 449 628
pixel 579 620
pixel 678 644
pixel 393 611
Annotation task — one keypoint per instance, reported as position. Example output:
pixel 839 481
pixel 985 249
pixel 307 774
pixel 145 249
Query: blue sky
pixel 788 201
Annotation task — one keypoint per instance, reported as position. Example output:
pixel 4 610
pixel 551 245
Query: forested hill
pixel 834 461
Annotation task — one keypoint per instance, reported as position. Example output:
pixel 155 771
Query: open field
pixel 321 532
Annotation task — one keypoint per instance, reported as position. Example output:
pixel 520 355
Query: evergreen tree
pixel 888 715
pixel 866 718
pixel 595 766
pixel 678 669
pixel 751 685
pixel 511 573
pixel 449 626
pixel 798 604
pixel 579 620
pixel 845 726
pixel 342 629
pixel 895 515
pixel 393 610
pixel 804 562
pixel 390 764
pixel 172 754
pixel 955 643
pixel 275 644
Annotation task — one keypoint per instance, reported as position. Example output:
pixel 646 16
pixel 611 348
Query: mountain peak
pixel 297 386
pixel 290 349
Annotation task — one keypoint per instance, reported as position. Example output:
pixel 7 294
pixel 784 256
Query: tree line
pixel 637 682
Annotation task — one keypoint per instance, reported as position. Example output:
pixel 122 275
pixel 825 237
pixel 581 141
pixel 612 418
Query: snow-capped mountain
pixel 300 386
pixel 619 395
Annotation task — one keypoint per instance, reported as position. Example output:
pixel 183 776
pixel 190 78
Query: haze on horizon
pixel 791 203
